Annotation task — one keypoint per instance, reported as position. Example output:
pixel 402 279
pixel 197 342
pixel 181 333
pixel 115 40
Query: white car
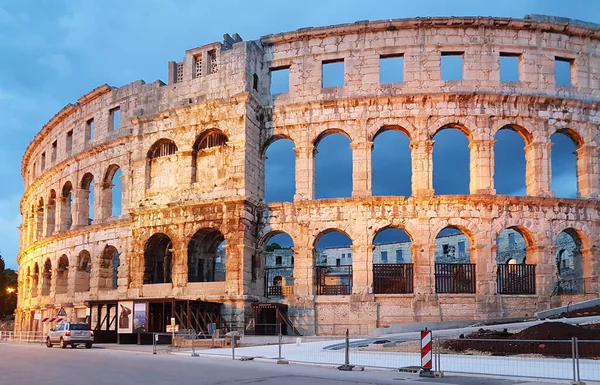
pixel 70 333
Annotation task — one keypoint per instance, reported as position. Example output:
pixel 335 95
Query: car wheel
pixel 63 344
pixel 48 343
pixel 88 345
pixel 73 346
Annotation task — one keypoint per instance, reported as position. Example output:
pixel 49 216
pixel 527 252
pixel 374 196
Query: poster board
pixel 140 317
pixel 125 317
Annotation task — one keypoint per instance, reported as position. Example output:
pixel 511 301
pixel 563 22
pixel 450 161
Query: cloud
pixel 58 62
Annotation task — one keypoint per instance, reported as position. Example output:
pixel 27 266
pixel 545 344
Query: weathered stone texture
pixel 176 184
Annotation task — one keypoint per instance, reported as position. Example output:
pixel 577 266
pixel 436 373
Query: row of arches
pixel 57 212
pixel 72 274
pixel 391 163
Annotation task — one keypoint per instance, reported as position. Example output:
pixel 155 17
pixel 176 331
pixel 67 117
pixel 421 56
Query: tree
pixel 8 301
pixel 274 246
pixel 3 293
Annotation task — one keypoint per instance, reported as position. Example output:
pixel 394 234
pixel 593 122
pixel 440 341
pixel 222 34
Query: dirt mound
pixel 556 331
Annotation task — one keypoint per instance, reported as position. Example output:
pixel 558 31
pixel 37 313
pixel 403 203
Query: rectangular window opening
pixel 391 69
pixel 332 73
pixel 509 67
pixel 280 80
pixel 399 256
pixel 278 260
pixel 461 247
pixel 69 142
pixel 384 256
pixel 43 161
pixel 54 151
pixel 89 129
pixel 198 66
pixel 452 64
pixel 511 239
pixel 338 262
pixel 115 118
pixel 562 72
pixel 212 62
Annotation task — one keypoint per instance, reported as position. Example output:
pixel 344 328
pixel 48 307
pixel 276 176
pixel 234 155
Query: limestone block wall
pixel 191 153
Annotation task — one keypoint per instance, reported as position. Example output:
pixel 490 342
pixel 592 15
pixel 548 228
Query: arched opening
pixel 35 280
pixel 569 264
pixel 333 257
pixel 62 275
pixel 391 163
pixel 51 214
pixel 209 157
pixel 86 197
pixel 109 268
pixel 454 272
pixel 513 274
pixel 279 265
pixel 509 162
pixel 392 262
pixel 47 278
pixel 451 162
pixel 564 165
pixel 39 219
pixel 158 258
pixel 27 282
pixel 83 272
pixel 280 171
pixel 112 194
pixel 207 256
pixel 333 165
pixel 161 165
pixel 66 207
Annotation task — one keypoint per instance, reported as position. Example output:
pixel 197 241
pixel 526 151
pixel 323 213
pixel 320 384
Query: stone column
pixel 423 265
pixel 590 261
pixel 81 208
pixel 482 167
pixel 484 256
pixel 587 171
pixel 71 279
pixel 50 219
pixel 104 201
pixel 238 271
pixel 304 271
pixel 543 257
pixel 538 172
pixel 305 173
pixel 32 229
pixel 184 167
pixel 362 269
pixel 362 169
pixel 422 168
pixel 179 267
pixel 39 223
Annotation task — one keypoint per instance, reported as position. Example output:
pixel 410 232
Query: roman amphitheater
pixel 186 232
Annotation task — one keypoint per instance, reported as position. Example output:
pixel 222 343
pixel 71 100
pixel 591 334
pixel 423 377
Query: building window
pixel 280 80
pixel 43 161
pixel 332 73
pixel 53 152
pixel 255 82
pixel 338 262
pixel 179 72
pixel 446 249
pixel 323 259
pixel 399 257
pixel 511 239
pixel 563 72
pixel 391 69
pixel 115 118
pixel 461 247
pixel 349 255
pixel 212 62
pixel 384 256
pixel 509 67
pixel 278 260
pixel 198 66
pixel 69 142
pixel 89 129
pixel 452 64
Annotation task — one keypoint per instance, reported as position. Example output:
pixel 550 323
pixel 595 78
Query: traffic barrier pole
pixel 233 346
pixel 347 366
pixel 426 354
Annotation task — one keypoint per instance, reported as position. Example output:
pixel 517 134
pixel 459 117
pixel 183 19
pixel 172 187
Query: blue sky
pixel 55 51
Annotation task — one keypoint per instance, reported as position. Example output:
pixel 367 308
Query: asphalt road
pixel 38 365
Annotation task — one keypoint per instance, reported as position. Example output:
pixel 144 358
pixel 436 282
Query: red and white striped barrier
pixel 426 362
pixel 52 319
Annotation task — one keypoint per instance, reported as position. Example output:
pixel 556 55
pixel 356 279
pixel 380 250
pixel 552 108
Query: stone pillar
pixel 179 267
pixel 50 220
pixel 590 261
pixel 545 275
pixel 136 273
pixel 39 223
pixel 184 167
pixel 482 167
pixel 484 256
pixel 304 271
pixel 61 214
pixel 32 227
pixel 362 169
pixel 422 168
pixel 104 201
pixel 538 171
pixel 236 275
pixel 81 208
pixel 72 277
pixel 362 269
pixel 423 265
pixel 587 171
pixel 305 173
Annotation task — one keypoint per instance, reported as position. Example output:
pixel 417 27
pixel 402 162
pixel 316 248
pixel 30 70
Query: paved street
pixel 27 364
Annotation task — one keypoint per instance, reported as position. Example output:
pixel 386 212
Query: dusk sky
pixel 53 52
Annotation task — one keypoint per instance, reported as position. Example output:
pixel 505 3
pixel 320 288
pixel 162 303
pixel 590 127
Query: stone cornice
pixel 572 29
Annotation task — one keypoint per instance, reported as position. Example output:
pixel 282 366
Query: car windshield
pixel 79 327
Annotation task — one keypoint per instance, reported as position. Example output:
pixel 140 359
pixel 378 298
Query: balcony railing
pixel 279 281
pixel 515 279
pixel 334 280
pixel 392 278
pixel 454 278
pixel 588 285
